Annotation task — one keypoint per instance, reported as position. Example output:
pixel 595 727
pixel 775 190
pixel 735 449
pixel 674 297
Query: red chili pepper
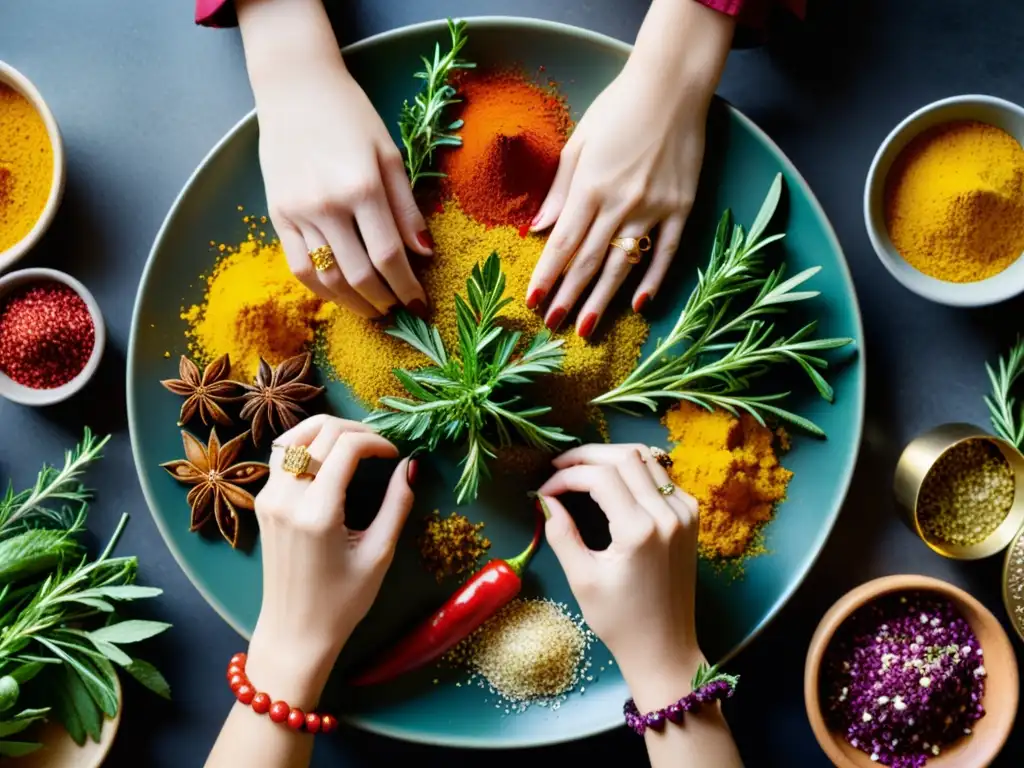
pixel 487 591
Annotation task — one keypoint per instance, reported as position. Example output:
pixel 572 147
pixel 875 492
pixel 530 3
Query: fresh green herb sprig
pixel 1007 418
pixel 727 349
pixel 43 632
pixel 421 123
pixel 464 397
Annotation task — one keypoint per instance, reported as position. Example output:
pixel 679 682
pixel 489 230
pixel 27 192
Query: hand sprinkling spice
pixel 205 394
pixel 904 678
pixel 273 402
pixel 216 477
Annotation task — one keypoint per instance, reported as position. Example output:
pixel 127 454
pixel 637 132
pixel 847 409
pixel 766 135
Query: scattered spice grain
pixel 451 546
pixel 903 678
pixel 967 494
pixel 729 465
pixel 46 335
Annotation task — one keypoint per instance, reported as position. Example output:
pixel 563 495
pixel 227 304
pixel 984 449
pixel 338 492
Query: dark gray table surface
pixel 141 95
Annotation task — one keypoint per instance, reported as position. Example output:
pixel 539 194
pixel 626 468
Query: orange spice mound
pixel 729 465
pixel 513 134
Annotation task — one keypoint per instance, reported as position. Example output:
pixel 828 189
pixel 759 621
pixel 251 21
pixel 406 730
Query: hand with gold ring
pixel 338 194
pixel 319 576
pixel 629 171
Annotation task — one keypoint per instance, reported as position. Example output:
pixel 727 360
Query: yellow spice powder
pixel 26 159
pixel 252 306
pixel 729 465
pixel 363 355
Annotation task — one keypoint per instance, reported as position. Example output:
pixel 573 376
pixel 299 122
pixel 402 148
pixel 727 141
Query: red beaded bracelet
pixel 279 711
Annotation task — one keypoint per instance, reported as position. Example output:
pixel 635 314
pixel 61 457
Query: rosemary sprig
pixel 1007 420
pixel 421 123
pixel 726 350
pixel 457 398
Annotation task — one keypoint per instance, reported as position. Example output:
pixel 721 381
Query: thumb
pixel 383 533
pixel 411 224
pixel 554 202
pixel 564 538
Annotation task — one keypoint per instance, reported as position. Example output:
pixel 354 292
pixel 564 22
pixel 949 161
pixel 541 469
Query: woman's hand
pixel 333 175
pixel 319 577
pixel 631 165
pixel 638 594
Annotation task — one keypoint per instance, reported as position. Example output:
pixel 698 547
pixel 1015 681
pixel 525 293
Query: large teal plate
pixel 740 165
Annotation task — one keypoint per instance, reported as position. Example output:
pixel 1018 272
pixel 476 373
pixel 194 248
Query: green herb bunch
pixel 59 632
pixel 716 348
pixel 464 397
pixel 421 123
pixel 1007 417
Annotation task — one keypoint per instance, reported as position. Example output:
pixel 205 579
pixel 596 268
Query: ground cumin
pixel 26 166
pixel 252 306
pixel 363 355
pixel 954 202
pixel 729 465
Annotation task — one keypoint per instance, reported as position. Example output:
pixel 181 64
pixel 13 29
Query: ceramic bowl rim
pixel 18 393
pixel 860 596
pixel 12 77
pixel 418 735
pixel 993 290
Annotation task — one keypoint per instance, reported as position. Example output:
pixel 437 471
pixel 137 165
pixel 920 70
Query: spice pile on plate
pixel 26 166
pixel 46 335
pixel 729 465
pixel 903 678
pixel 967 494
pixel 954 203
pixel 451 546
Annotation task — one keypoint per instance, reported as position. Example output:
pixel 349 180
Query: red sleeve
pixel 754 10
pixel 215 13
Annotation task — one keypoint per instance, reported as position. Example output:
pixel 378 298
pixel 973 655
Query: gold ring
pixel 296 460
pixel 661 456
pixel 667 489
pixel 634 247
pixel 322 258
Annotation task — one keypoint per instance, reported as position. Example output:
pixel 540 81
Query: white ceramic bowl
pixel 19 393
pixel 985 109
pixel 12 77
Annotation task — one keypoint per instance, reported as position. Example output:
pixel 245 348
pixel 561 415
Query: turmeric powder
pixel 729 465
pixel 253 306
pixel 954 202
pixel 26 167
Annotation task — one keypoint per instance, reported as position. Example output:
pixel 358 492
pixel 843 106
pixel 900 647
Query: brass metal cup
pixel 1013 583
pixel 917 461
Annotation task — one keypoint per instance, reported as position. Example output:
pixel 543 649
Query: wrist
pixel 289 668
pixel 655 681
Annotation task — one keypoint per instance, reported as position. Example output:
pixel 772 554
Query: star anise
pixel 273 402
pixel 205 393
pixel 216 477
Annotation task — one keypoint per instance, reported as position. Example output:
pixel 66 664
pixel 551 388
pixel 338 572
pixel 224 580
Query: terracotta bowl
pixel 1001 684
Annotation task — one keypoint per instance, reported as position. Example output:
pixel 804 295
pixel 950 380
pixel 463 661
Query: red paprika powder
pixel 46 335
pixel 513 133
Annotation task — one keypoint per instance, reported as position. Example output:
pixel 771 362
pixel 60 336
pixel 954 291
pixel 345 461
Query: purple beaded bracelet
pixel 708 685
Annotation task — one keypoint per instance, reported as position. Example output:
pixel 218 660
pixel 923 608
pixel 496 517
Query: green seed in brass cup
pixel 920 457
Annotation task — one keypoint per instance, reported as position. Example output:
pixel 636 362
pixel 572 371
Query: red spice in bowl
pixel 47 334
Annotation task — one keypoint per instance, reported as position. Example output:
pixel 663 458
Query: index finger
pixel 626 518
pixel 339 467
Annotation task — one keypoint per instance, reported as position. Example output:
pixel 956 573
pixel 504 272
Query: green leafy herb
pixel 421 123
pixel 726 349
pixel 1007 419
pixel 464 397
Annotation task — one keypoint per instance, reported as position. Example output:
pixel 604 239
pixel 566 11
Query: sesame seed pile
pixel 967 494
pixel 903 678
pixel 531 652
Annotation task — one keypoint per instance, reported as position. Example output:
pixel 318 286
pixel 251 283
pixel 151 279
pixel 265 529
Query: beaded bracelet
pixel 708 685
pixel 279 711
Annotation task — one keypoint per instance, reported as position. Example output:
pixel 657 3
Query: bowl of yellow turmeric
pixel 31 166
pixel 944 201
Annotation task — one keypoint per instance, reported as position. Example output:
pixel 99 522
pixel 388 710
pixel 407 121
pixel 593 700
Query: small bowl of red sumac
pixel 51 336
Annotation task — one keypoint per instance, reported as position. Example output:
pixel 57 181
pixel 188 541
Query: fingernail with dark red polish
pixel 411 471
pixel 535 221
pixel 640 301
pixel 418 308
pixel 536 298
pixel 424 239
pixel 587 326
pixel 555 319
